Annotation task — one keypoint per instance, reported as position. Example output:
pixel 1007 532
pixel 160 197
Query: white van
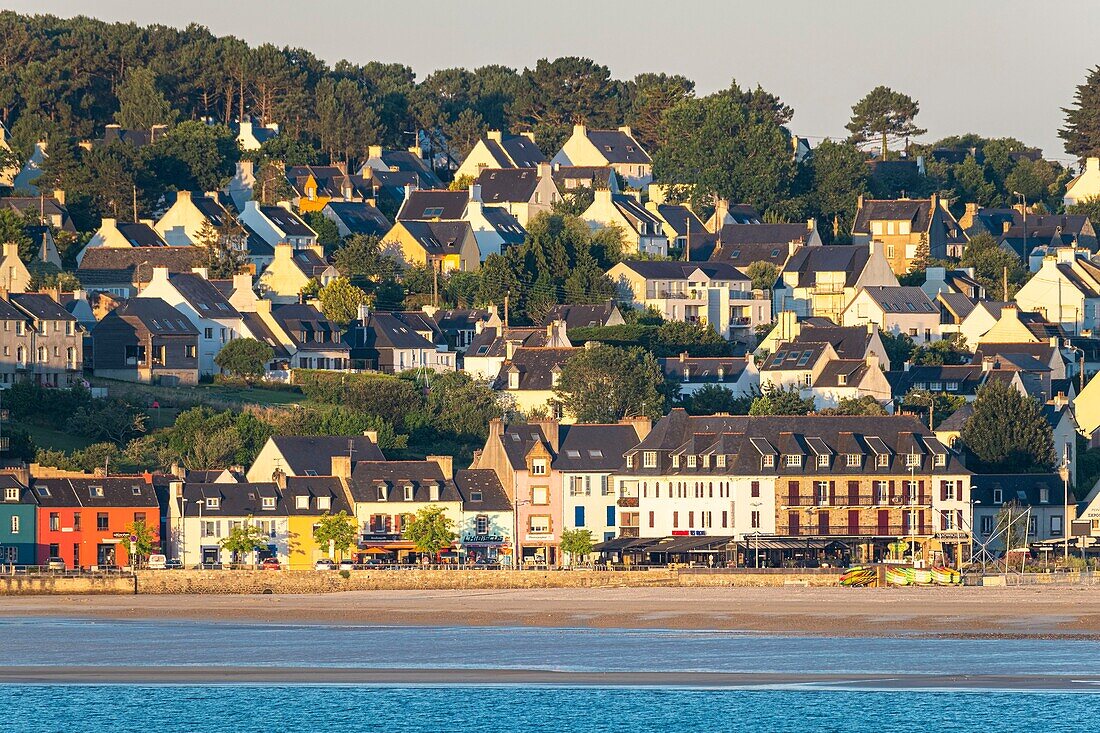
pixel 156 562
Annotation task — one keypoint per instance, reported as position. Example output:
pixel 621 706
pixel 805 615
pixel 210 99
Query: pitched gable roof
pixel 426 205
pixel 507 185
pixel 618 146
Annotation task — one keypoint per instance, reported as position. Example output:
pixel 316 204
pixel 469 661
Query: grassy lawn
pixel 184 397
pixel 54 439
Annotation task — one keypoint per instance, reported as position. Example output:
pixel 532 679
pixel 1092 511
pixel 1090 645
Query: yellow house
pixel 307 499
pixel 446 245
pixel 293 269
pixel 529 376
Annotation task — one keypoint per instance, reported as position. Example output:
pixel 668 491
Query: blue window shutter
pixel 578 516
pixel 611 516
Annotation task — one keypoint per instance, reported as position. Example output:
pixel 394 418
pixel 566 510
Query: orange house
pixel 86 521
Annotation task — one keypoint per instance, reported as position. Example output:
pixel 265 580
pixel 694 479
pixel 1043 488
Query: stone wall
pixel 45 585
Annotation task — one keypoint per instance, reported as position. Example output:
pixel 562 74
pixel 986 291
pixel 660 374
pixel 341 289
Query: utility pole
pixel 1004 282
pixel 687 242
pixel 435 287
pixel 507 297
pixel 135 205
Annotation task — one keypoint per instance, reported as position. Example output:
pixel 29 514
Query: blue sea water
pixel 36 708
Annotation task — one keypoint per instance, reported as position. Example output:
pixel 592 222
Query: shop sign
pixel 540 537
pixel 688 533
pixel 471 538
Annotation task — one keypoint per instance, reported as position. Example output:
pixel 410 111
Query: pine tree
pixel 1082 130
pixel 883 114
pixel 1007 433
pixel 140 104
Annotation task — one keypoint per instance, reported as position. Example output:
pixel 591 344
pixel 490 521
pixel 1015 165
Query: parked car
pixel 270 563
pixel 173 563
pixel 157 562
pixel 210 566
pixel 55 564
pixel 347 565
pixel 324 564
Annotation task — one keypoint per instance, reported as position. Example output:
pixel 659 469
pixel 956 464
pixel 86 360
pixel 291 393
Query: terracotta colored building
pixel 85 521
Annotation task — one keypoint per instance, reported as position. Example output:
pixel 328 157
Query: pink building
pixel 521 456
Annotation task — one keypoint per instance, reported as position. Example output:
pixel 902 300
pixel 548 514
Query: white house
pixel 524 192
pixel 278 224
pixel 738 374
pixel 822 281
pixel 643 231
pixel 895 310
pixel 182 223
pixel 201 516
pixel 615 148
pixel 497 150
pixel 113 234
pixel 250 136
pixel 1065 290
pixel 1085 186
pixel 217 321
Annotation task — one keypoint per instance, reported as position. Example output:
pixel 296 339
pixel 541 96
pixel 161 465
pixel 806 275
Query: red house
pixel 84 521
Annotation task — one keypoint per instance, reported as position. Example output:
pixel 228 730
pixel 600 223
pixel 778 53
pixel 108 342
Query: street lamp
pixel 973 503
pixel 756 535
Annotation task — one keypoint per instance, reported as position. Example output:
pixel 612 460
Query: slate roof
pixel 536 367
pixel 743 440
pixel 779 235
pixel 139 234
pixel 842 373
pixel 109 266
pixel 617 146
pixel 957 304
pixel 507 185
pixel 426 205
pixel 41 306
pixel 202 295
pixel 312 454
pixel 157 316
pixel 801 355
pixel 8 312
pixel 703 369
pixel 593 176
pixel 93 492
pixel 314 487
pixel 233 500
pixel 916 211
pixel 968 377
pixel 677 217
pixel 1043 352
pixel 594 447
pixel 262 332
pixel 460 319
pixel 367 476
pixel 901 299
pixel 212 209
pixel 847 258
pixel 389 331
pixel 494 343
pixel 33 206
pixel 580 316
pixel 1023 488
pixel 289 222
pixel 504 224
pixel 636 213
pixel 308 262
pixel 518 440
pixel 308 328
pixel 677 270
pixel 360 217
pixel 484 481
pixel 439 237
pixel 514 151
pixel 849 342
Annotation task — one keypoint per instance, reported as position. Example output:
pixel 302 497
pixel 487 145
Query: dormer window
pixel 823 461
pixel 538 467
pixel 720 460
pixel 301 502
pixel 912 460
pixel 408 492
pixel 768 461
pixel 475 496
pixel 853 460
pixel 95 492
pixel 793 460
pixel 513 380
pixel 676 461
pixel 434 492
pixel 268 502
pixel 324 503
pixel 381 493
pixel 941 459
pixel 882 460
pixel 649 459
pixel 11 494
pixel 213 502
pixel 691 460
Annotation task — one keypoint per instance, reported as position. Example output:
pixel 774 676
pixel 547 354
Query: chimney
pixel 201 272
pixel 1092 165
pixel 160 274
pixel 342 166
pixel 545 170
pixel 417 151
pixel 278 476
pixel 580 131
pixel 363 314
pixel 284 251
pixel 59 195
pixel 1060 399
pixel 341 466
pixel 183 196
pixel 811 224
pixel 496 428
pixel 721 211
pixel 1055 342
pixel 11 249
pixel 242 281
pixel 445 463
pixel 374 151
pixel 871 247
pixel 529 135
pixel 971 210
pixel 371 435
pixel 475 192
pixel 906 366
pixel 509 349
pixel 683 356
pixel 642 425
pixel 263 306
pixel 246 127
pixel 603 195
pixel 1006 226
pixel 550 432
pixel 625 129
pixel 284 205
pixel 873 361
pixel 987 363
pixel 494 135
pixel 656 193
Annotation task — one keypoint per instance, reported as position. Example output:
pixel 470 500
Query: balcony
pixel 628 531
pixel 858 530
pixel 860 500
pixel 628 501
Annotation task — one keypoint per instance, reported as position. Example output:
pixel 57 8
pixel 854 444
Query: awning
pixel 619 544
pixel 680 545
pixel 787 543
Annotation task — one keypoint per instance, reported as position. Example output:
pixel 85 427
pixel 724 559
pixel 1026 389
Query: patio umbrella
pixel 375 551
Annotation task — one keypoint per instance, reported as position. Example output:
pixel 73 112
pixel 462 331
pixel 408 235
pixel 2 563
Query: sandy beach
pixel 1037 612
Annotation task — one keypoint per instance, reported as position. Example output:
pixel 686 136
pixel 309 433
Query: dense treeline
pixel 66 79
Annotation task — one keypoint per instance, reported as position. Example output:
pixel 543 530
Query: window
pixel 948 490
pixel 941 459
pixel 1044 496
pixel 676 461
pixel 11 494
pixel 769 461
pixel 408 493
pixel 720 460
pixel 755 491
pixel 691 461
pixel 538 467
pixel 15 524
pixel 911 492
pixel 793 460
pixel 481 524
pixel 208 333
pixel 190 351
pixel 755 519
pixel 823 461
pixel 55 521
pixel 882 492
pixel 76 522
pixel 95 492
pixel 268 502
pixel 1055 525
pixel 649 459
pixel 102 521
pixel 882 460
pixel 852 460
pixel 998 497
pixel 540 496
pixel 210 529
pixel 540 524
pixel 986 525
pixel 911 460
pixel 301 502
pixel 609 517
pixel 213 502
pixel 822 493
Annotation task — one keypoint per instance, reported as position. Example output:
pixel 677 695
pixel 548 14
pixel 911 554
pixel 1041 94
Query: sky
pixel 979 66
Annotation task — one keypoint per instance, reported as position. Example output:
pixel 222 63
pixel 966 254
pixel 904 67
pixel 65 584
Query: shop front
pixel 539 550
pixel 394 549
pixel 482 549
